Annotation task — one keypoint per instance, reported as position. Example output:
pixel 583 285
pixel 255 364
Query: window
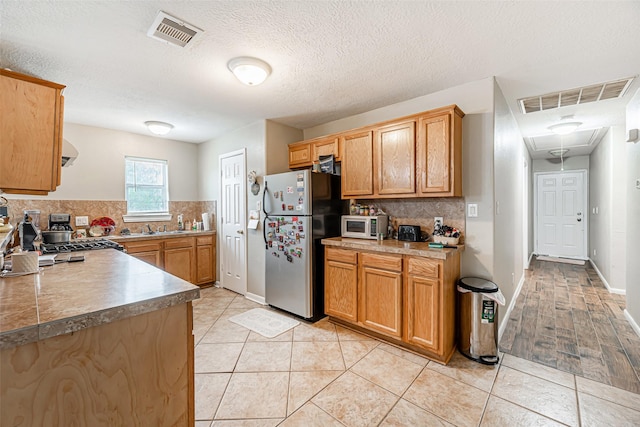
pixel 146 188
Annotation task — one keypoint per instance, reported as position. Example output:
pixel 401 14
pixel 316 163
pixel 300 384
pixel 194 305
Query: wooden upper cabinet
pixel 357 164
pixel 395 159
pixel 325 147
pixel 299 155
pixel 31 132
pixel 439 151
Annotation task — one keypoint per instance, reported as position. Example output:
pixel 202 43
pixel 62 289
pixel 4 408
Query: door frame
pixel 585 212
pixel 221 157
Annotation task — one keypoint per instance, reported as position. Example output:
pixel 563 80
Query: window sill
pixel 147 217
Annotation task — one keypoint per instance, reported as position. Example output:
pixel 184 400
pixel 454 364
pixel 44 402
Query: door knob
pixel 579 219
pixel 240 232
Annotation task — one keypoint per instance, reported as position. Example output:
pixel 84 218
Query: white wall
pixel 265 143
pixel 633 212
pixel 600 185
pixel 618 210
pixel 98 172
pixel 570 163
pixel 509 225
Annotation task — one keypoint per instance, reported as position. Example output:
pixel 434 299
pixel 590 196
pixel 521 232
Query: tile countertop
pixel 109 285
pixel 167 235
pixel 392 246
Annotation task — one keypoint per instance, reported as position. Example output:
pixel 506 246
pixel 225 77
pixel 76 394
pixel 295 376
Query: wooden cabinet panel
pixel 439 149
pixel 422 310
pixel 299 155
pixel 180 242
pixel 341 285
pixel 380 294
pixel 395 159
pixel 147 251
pixel 205 259
pixel 424 267
pixel 357 164
pixel 31 129
pixel 180 262
pixel 325 147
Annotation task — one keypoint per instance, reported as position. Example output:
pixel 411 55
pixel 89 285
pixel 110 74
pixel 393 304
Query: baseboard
pixel 606 284
pixel 632 322
pixel 505 318
pixel 255 298
pixel 531 255
pixel 217 284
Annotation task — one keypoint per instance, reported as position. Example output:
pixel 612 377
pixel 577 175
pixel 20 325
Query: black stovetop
pixel 79 245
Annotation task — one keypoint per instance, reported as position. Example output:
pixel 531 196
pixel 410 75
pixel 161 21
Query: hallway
pixel 565 318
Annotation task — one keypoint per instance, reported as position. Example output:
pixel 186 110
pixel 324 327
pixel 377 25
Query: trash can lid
pixel 476 284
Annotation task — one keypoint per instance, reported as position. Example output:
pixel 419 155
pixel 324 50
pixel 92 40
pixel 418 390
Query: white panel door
pixel 233 267
pixel 561 230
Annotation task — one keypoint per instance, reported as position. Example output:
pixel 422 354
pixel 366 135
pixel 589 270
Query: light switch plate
pixel 472 210
pixel 82 220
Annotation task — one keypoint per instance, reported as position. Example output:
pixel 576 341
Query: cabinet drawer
pixel 180 242
pixel 424 267
pixel 342 255
pixel 384 262
pixel 204 240
pixel 147 246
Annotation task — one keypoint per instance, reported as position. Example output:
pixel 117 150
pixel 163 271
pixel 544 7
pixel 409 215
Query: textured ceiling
pixel 330 59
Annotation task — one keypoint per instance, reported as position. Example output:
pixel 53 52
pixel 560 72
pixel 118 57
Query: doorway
pixel 233 197
pixel 560 214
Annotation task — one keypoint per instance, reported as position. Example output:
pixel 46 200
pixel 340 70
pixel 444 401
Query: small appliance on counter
pixel 364 227
pixel 60 222
pixel 409 233
pixel 28 234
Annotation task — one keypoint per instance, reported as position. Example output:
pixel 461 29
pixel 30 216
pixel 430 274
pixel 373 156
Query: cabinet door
pixel 395 159
pixel 380 302
pixel 357 164
pixel 423 307
pixel 180 262
pixel 434 152
pixel 205 255
pixel 31 133
pixel 147 251
pixel 341 284
pixel 299 155
pixel 324 147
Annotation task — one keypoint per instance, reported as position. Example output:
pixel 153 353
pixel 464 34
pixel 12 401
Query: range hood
pixel 69 153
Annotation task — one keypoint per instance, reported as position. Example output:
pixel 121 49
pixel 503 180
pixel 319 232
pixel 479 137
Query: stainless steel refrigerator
pixel 301 208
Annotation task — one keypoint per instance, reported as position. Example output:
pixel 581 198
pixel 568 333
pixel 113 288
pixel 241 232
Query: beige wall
pixel 633 212
pixel 509 225
pixel 265 143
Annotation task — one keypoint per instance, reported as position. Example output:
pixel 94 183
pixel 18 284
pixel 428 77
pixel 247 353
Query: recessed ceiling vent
pixel 172 30
pixel 581 95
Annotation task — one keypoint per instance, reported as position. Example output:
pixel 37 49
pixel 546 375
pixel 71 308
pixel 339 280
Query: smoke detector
pixel 171 30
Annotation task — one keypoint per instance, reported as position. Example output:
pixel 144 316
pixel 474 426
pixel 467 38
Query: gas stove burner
pixel 79 245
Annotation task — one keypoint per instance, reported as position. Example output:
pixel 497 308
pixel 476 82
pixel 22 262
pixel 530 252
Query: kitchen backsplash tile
pixel 113 209
pixel 422 211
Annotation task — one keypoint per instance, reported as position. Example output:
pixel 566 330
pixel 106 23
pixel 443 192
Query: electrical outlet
pixel 82 220
pixel 438 222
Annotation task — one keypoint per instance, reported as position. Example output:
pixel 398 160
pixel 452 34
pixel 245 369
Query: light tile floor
pixel 325 375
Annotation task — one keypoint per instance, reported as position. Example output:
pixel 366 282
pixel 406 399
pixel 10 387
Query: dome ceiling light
pixel 250 71
pixel 564 128
pixel 159 128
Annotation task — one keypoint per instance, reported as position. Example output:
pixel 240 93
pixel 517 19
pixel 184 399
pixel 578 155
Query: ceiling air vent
pixel 581 95
pixel 172 30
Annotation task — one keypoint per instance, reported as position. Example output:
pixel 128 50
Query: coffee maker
pixel 28 234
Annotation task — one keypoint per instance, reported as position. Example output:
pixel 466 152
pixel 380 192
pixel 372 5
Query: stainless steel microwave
pixel 364 227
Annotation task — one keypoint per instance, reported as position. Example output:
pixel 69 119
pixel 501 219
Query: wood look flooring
pixel 565 318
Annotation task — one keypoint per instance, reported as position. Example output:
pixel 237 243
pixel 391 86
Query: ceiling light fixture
pixel 250 71
pixel 559 152
pixel 564 128
pixel 159 128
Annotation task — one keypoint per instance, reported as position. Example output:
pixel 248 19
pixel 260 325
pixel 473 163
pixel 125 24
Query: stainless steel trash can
pixel 477 320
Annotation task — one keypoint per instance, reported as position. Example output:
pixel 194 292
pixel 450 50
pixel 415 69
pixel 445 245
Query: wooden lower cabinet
pixel 147 251
pixel 409 300
pixel 380 293
pixel 205 259
pixel 189 258
pixel 341 284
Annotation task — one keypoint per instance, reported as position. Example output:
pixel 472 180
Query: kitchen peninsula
pixel 107 341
